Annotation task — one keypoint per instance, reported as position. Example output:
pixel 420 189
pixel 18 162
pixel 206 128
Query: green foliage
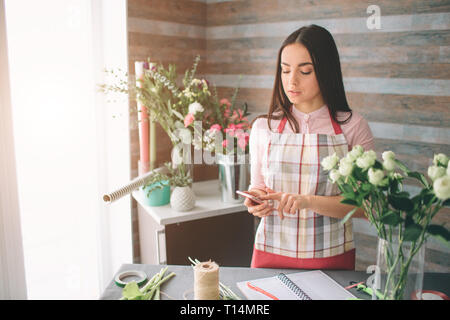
pixel 439 232
pixel 388 207
pixel 399 218
pixel 151 290
pixel 176 177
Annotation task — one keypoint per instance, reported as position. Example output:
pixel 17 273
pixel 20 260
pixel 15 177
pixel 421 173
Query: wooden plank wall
pixel 397 77
pixel 166 31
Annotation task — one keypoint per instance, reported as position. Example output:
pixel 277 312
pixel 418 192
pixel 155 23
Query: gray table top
pixel 181 286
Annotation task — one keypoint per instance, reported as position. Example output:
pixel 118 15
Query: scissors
pixel 361 286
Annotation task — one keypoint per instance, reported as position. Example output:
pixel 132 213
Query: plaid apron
pixel 305 240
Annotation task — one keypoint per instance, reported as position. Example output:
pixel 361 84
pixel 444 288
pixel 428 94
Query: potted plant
pixel 402 221
pixel 182 197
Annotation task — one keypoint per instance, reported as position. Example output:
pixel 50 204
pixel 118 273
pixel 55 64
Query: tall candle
pixel 143 120
pixel 152 139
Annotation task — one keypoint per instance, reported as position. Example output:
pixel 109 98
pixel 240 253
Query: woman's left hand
pixel 288 202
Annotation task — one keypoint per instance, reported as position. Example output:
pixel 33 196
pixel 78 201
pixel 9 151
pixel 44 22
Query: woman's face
pixel 297 75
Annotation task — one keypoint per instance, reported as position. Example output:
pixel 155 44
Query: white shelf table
pixel 223 232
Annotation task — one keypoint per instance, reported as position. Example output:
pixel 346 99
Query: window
pixel 71 146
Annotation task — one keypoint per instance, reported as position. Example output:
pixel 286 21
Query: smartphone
pixel 250 196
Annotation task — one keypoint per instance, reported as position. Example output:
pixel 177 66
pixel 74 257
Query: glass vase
pixel 399 272
pixel 234 174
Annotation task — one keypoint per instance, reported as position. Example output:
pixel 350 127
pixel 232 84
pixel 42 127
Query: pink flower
pixel 242 143
pixel 231 129
pixel 238 115
pixel 188 119
pixel 224 143
pixel 225 101
pixel 226 113
pixel 215 127
pixel 243 138
pixel 241 134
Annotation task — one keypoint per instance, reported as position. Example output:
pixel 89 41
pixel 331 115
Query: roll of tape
pixel 430 295
pixel 119 277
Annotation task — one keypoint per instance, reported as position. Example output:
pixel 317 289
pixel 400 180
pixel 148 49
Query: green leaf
pixel 446 203
pixel 391 218
pixel 439 232
pixel 401 202
pixel 393 185
pixel 350 202
pixel 417 201
pixel 429 198
pixel 412 232
pixel 402 166
pixel 131 291
pixel 359 174
pixel 348 215
pixel 419 176
pixel 378 165
pixel 347 188
pixel 350 196
pixel 178 114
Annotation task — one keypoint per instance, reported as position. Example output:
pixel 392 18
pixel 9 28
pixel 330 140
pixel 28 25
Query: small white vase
pixel 182 199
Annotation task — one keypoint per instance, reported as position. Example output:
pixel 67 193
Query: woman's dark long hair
pixel 325 58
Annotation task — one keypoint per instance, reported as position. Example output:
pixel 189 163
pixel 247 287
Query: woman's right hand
pixel 256 209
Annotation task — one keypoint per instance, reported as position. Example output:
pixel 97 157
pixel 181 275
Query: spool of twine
pixel 206 281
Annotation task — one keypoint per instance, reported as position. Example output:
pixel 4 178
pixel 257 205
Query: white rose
pixel 334 175
pixel 357 151
pixel 440 159
pixel 388 155
pixel 351 157
pixel 375 176
pixel 448 170
pixel 367 160
pixel 330 162
pixel 389 164
pixel 345 167
pixel 195 107
pixel 371 154
pixel 435 172
pixel 441 187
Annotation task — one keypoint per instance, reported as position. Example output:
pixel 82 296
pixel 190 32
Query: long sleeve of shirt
pixel 356 132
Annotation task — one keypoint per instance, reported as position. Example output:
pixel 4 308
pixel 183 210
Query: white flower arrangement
pixel 377 188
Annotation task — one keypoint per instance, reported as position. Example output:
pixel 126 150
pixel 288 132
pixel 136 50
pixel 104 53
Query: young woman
pixel 308 119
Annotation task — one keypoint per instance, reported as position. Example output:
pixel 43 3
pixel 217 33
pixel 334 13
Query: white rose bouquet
pixel 377 187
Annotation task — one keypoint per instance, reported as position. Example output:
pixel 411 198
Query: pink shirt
pixel 356 132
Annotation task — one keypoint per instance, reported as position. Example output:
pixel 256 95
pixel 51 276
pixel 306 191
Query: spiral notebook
pixel 308 285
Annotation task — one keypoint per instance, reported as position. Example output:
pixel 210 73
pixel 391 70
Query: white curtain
pixel 71 146
pixel 12 273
